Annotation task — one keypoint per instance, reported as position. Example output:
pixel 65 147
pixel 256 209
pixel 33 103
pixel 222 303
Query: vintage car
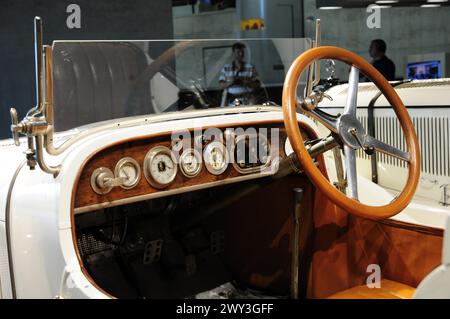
pixel 108 191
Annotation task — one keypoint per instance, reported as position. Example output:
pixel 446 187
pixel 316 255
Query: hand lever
pixel 113 182
pixel 367 150
pixel 104 180
pixel 298 195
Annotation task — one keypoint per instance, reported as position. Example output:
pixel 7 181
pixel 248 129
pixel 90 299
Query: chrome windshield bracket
pixel 314 68
pixel 35 125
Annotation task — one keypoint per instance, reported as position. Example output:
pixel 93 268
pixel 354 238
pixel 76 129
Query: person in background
pixel 381 62
pixel 239 79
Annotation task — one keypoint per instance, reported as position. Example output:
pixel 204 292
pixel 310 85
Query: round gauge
pixel 129 170
pixel 251 153
pixel 216 158
pixel 159 167
pixel 190 163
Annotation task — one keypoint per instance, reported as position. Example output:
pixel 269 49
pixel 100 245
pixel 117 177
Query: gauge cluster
pixel 159 163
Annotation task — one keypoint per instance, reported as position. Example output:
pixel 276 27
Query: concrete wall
pixel 208 25
pixel 406 30
pixel 100 19
pixel 283 19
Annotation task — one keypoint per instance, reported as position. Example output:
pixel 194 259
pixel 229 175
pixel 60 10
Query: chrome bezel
pixel 94 176
pixel 124 161
pixel 197 155
pixel 207 153
pixel 148 160
pixel 249 170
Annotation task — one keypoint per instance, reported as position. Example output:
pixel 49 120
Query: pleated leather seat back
pixel 95 81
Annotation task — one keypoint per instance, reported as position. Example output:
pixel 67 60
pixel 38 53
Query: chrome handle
pixel 15 127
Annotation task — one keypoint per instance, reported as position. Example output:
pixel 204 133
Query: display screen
pixel 424 70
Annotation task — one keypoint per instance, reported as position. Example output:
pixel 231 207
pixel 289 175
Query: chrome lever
pixel 311 101
pixel 366 149
pixel 107 182
pixel 324 95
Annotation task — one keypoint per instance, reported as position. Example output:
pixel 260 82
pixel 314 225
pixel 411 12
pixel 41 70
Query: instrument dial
pixel 216 158
pixel 190 163
pixel 251 153
pixel 129 171
pixel 159 167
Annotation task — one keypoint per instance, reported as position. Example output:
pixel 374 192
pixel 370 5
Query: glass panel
pixel 103 80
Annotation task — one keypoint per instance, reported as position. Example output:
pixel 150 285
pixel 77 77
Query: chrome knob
pixel 103 180
pixel 99 179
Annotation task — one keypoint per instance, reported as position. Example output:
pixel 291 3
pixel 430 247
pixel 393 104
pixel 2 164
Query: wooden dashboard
pixel 86 199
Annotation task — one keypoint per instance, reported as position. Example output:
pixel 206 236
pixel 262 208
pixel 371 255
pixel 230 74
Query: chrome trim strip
pixel 129 200
pixel 8 228
pixel 158 118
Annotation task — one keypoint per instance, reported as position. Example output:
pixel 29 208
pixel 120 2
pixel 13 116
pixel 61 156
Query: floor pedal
pixel 152 251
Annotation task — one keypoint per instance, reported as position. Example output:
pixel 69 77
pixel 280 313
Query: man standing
pixel 381 62
pixel 239 79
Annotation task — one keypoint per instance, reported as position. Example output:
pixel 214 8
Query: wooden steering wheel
pixel 350 133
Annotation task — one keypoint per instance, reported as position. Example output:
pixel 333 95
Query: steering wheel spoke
pixel 351 103
pixel 352 175
pixel 373 143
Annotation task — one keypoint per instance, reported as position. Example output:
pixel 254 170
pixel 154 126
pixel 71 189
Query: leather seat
pixel 389 290
pixel 96 81
pixel 436 284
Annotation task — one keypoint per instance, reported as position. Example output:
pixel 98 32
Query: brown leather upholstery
pixel 344 246
pixel 388 290
pixel 95 81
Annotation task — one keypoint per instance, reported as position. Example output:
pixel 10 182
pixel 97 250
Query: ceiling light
pixel 430 5
pixel 436 1
pixel 386 1
pixel 330 8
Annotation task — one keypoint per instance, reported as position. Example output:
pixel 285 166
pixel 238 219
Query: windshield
pixel 102 80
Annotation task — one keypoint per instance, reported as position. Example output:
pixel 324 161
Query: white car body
pixel 43 258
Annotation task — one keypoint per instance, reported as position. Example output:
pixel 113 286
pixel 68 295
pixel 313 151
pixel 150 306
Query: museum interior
pixel 225 149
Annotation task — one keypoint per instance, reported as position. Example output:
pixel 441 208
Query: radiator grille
pixel 434 139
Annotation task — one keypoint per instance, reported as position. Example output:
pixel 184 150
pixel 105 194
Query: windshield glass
pixel 102 80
